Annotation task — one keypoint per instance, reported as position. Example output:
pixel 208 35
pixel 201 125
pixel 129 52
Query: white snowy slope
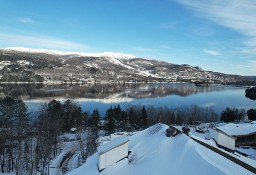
pixel 55 52
pixel 153 153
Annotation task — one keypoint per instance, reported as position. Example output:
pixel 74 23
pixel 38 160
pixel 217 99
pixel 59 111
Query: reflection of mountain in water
pixel 129 91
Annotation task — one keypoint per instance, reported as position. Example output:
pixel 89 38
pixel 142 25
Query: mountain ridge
pixel 50 66
pixel 57 52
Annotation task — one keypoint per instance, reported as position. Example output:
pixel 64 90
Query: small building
pixel 245 133
pixel 222 139
pixel 112 152
pixel 73 130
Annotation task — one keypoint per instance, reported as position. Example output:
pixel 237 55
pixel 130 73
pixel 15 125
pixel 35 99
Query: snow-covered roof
pixel 157 154
pixel 73 129
pixel 112 144
pixel 239 129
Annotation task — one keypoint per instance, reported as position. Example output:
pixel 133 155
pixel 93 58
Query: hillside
pixel 154 153
pixel 35 65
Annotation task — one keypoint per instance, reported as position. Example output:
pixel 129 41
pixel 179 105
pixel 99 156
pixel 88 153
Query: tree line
pixel 236 115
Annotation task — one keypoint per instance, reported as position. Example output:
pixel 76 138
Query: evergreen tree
pixel 228 115
pixel 251 114
pixel 111 121
pixel 251 93
pixel 95 119
pixel 55 112
pixel 144 118
pixel 131 117
pixel 117 113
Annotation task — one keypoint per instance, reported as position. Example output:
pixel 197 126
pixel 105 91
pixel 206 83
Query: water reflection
pixel 136 91
pixel 102 97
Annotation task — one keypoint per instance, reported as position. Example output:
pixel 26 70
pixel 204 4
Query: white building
pixel 112 152
pixel 223 139
pixel 245 133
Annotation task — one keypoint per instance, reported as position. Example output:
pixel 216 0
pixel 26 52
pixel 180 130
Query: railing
pixel 228 156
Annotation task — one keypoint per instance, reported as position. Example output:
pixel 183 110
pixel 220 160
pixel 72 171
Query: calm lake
pixel 102 97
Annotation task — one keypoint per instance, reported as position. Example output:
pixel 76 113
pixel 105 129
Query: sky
pixel 216 35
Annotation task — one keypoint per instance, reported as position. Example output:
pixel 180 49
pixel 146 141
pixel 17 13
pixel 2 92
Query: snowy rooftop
pixel 73 129
pixel 112 144
pixel 154 153
pixel 238 129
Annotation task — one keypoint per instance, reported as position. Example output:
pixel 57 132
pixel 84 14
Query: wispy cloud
pixel 250 66
pixel 253 61
pixel 164 47
pixel 143 49
pixel 211 52
pixel 25 20
pixel 38 41
pixel 238 15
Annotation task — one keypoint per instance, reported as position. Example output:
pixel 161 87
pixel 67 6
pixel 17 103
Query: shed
pixel 245 133
pixel 223 139
pixel 113 151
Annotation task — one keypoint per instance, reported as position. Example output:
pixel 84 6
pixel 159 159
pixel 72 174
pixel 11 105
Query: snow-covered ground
pixel 201 137
pixel 248 150
pixel 154 153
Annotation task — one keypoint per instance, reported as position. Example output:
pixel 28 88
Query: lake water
pixel 102 97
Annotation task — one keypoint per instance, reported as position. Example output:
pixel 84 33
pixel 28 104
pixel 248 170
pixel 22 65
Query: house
pixel 112 152
pixel 222 139
pixel 245 133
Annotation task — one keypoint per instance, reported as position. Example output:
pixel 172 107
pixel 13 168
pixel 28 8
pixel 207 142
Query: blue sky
pixel 217 35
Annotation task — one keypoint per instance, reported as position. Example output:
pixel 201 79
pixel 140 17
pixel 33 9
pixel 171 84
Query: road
pixel 66 160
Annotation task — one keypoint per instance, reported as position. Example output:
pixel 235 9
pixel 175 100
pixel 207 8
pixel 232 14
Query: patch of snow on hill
pixel 118 62
pixel 154 153
pixel 117 55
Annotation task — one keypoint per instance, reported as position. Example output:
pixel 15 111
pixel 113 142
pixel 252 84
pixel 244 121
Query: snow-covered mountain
pixel 153 153
pixel 107 67
pixel 84 54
